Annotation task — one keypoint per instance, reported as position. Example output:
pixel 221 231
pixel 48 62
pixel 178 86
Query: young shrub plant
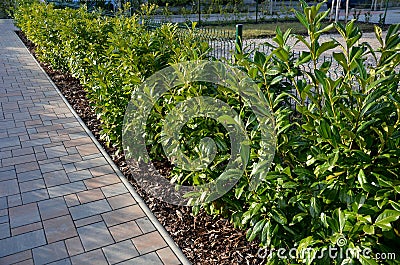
pixel 109 55
pixel 335 182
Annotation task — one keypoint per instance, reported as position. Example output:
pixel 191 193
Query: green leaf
pixel 327 46
pixel 267 233
pixel 315 208
pixel 362 180
pixel 278 216
pixel 298 218
pixel 302 18
pixel 259 58
pixel 369 229
pixel 395 205
pixel 257 229
pixel 341 59
pixel 384 219
pixel 287 171
pixel 341 219
pixel 304 58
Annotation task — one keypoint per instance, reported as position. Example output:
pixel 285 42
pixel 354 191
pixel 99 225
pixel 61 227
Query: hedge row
pixel 109 55
pixel 335 179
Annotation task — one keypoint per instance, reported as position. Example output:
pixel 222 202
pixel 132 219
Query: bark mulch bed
pixel 202 238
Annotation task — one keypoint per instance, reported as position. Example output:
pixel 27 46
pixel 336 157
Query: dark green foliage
pixel 337 171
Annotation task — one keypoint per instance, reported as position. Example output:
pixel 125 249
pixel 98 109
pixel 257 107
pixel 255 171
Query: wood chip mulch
pixel 203 239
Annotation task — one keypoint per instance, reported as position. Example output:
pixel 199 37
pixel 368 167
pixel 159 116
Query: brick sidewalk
pixel 61 200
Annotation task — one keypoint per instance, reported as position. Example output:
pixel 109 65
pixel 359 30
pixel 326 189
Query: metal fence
pixel 221 42
pixel 224 45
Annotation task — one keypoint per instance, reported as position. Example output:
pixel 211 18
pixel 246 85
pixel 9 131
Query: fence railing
pixel 221 42
pixel 224 44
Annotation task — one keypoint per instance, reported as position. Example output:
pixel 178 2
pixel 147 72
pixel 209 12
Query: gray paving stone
pixel 19 160
pixel 41 157
pixel 69 167
pixel 17 257
pixel 22 151
pixel 68 159
pixel 102 170
pixel 61 262
pixel 71 200
pixel 59 228
pixel 89 209
pixel 24 214
pixel 9 187
pixel 49 160
pixel 51 167
pixel 14 200
pixel 125 231
pixel 53 208
pixel 95 257
pixel 123 215
pixel 49 253
pixel 72 150
pixel 35 196
pixel 167 256
pixel 31 166
pixel 147 259
pixel 9 141
pixel 36 142
pixel 55 178
pixel 102 181
pixel 5 154
pixel 29 175
pixel 66 189
pixel 77 135
pixel 95 236
pixel 88 220
pixel 9 168
pixel 3 212
pixel 56 151
pixel 4 230
pixel 90 196
pixel 7 175
pixel 12 245
pixel 114 190
pixel 92 156
pixel 145 225
pixel 79 175
pixel 100 161
pixel 121 201
pixel 26 228
pixel 149 242
pixel 3 202
pixel 74 246
pixel 32 185
pixel 120 251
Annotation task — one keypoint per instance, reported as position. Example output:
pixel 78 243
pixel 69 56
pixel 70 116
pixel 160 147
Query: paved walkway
pixel 61 199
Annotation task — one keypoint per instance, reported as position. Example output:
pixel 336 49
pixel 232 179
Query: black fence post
pixel 199 10
pixel 239 38
pixel 384 15
pixel 256 11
